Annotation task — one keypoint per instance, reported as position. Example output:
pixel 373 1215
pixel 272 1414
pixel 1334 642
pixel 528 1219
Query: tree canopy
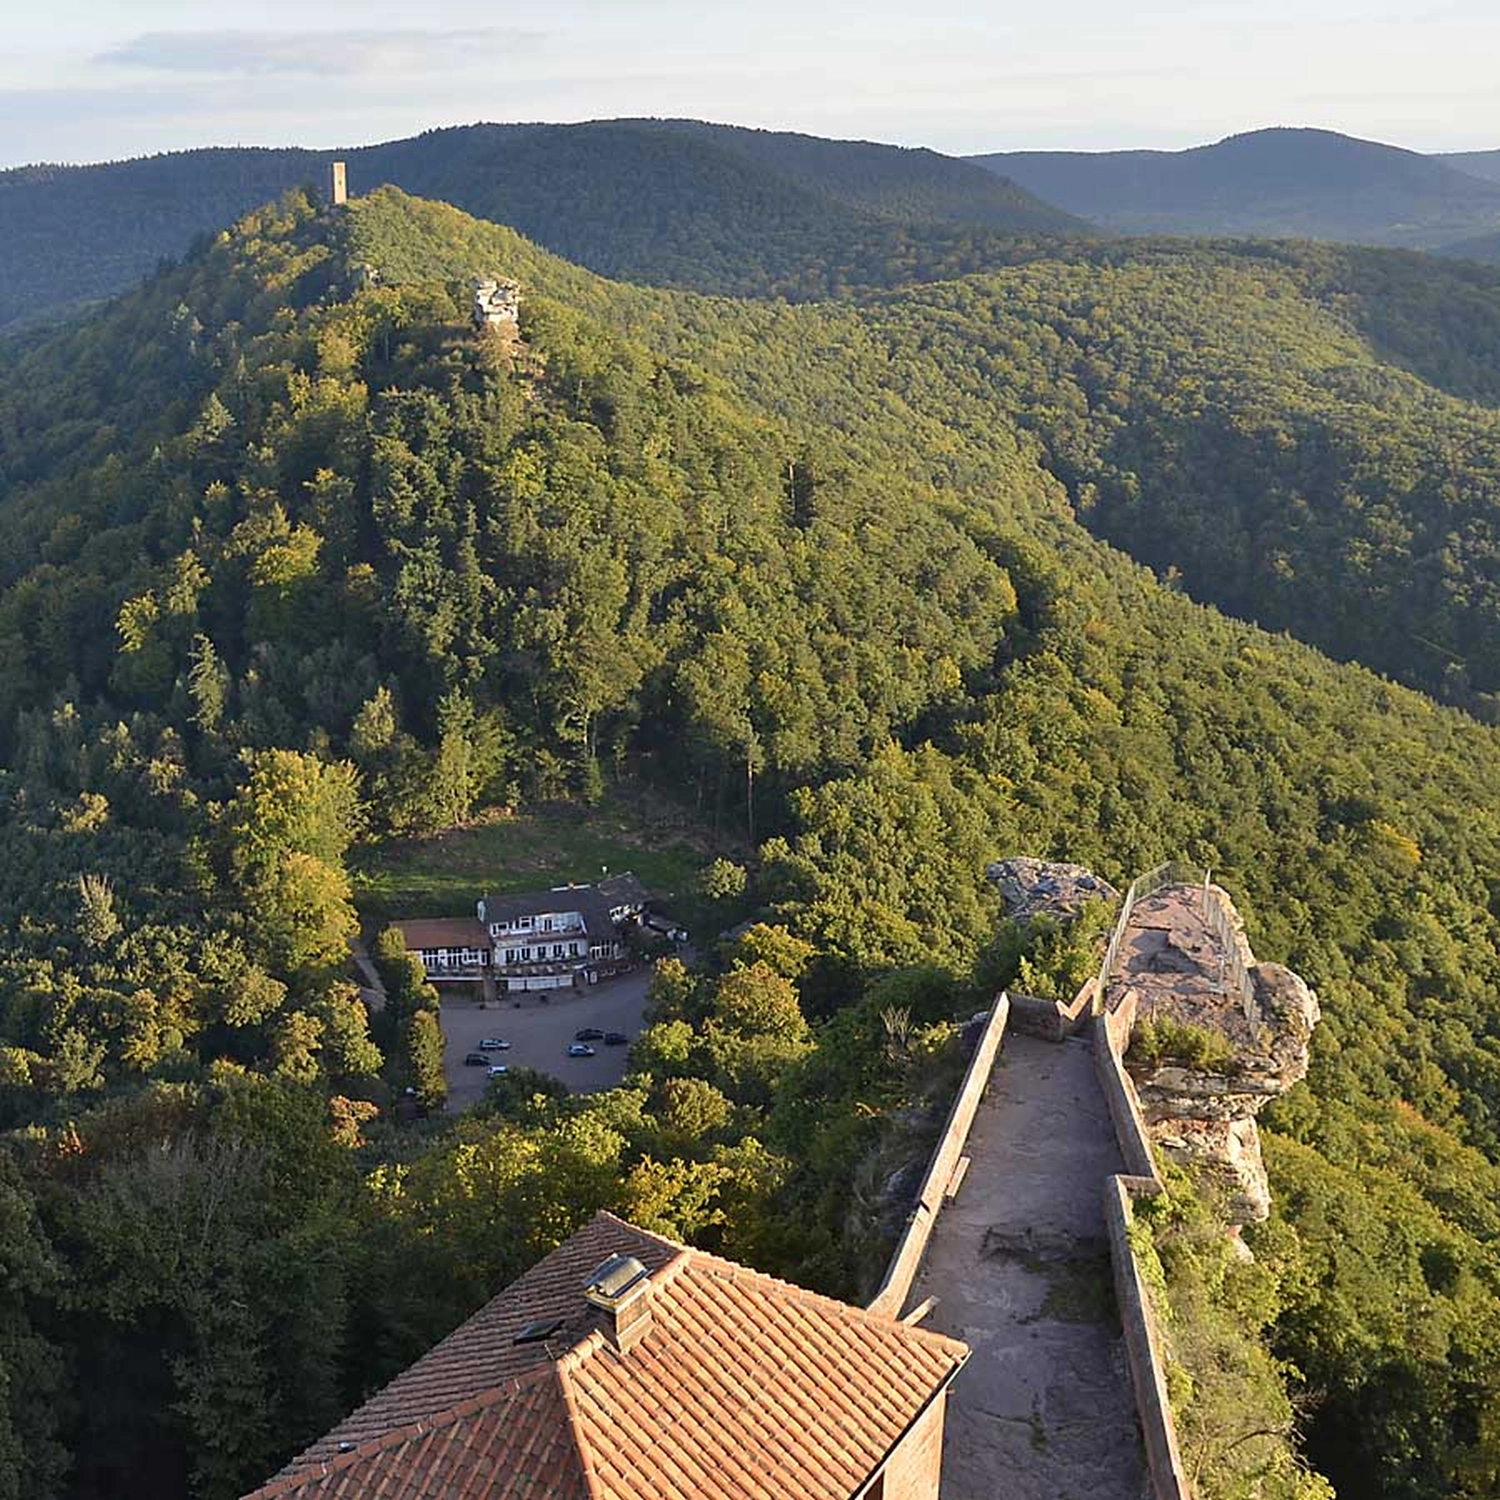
pixel 292 559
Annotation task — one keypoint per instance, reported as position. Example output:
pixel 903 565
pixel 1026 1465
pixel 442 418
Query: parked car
pixel 580 1049
pixel 616 1039
pixel 589 1034
pixel 476 1060
pixel 498 1070
pixel 494 1044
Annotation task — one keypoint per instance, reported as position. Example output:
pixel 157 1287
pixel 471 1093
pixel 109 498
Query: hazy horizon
pixel 333 146
pixel 82 83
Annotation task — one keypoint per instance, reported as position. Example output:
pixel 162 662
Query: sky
pixel 92 80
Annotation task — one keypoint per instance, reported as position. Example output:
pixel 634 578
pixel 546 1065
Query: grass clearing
pixel 445 873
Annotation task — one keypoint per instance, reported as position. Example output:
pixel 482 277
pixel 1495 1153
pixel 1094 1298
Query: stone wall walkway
pixel 1020 1264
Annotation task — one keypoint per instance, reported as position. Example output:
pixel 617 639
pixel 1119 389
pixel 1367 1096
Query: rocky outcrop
pixel 1215 1036
pixel 1227 1149
pixel 1215 1060
pixel 1258 1068
pixel 1032 888
pixel 1290 1011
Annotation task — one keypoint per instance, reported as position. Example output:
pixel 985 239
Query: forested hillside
pixel 675 202
pixel 1483 247
pixel 292 556
pixel 910 184
pixel 297 566
pixel 1223 417
pixel 1278 182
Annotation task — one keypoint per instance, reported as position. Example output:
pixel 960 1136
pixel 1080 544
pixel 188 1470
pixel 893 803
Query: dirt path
pixel 1020 1263
pixel 371 990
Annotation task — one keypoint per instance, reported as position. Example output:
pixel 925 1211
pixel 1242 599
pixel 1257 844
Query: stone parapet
pixel 912 1246
pixel 1112 1033
pixel 1051 1020
pixel 1148 1368
pixel 1148 1371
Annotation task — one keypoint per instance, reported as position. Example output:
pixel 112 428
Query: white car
pixel 498 1070
pixel 494 1044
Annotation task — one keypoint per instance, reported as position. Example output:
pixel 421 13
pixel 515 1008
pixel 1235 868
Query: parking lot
pixel 539 1034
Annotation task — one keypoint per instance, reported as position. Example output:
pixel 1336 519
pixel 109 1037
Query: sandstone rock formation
pixel 1228 1149
pixel 1032 888
pixel 1210 1052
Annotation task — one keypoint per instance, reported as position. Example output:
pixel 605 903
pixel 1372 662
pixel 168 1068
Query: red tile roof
pixel 743 1386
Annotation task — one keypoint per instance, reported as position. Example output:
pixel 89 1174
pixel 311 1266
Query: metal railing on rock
pixel 1217 913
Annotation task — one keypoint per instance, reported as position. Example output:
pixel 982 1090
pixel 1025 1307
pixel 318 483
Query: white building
pixel 452 949
pixel 543 940
pixel 540 940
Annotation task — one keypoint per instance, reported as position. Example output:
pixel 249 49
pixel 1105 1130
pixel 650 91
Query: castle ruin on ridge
pixel 497 303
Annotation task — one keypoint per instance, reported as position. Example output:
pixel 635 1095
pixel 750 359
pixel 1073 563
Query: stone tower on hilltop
pixel 340 185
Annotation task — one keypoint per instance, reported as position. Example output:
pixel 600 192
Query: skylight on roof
pixel 539 1332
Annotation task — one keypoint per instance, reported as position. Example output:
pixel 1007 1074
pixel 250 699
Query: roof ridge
pixel 735 1270
pixel 647 1234
pixel 575 1419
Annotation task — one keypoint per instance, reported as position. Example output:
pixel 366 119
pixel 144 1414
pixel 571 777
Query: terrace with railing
pixel 1202 925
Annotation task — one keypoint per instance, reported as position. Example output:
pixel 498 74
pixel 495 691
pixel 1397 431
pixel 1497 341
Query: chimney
pixel 340 185
pixel 621 1290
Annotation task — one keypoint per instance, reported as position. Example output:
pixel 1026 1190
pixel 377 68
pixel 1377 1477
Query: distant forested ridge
pixel 909 184
pixel 1483 247
pixel 1268 183
pixel 291 557
pixel 672 202
pixel 1484 164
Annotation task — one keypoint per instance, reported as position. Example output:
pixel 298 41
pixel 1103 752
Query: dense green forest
pixel 1221 417
pixel 676 202
pixel 293 558
pixel 910 184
